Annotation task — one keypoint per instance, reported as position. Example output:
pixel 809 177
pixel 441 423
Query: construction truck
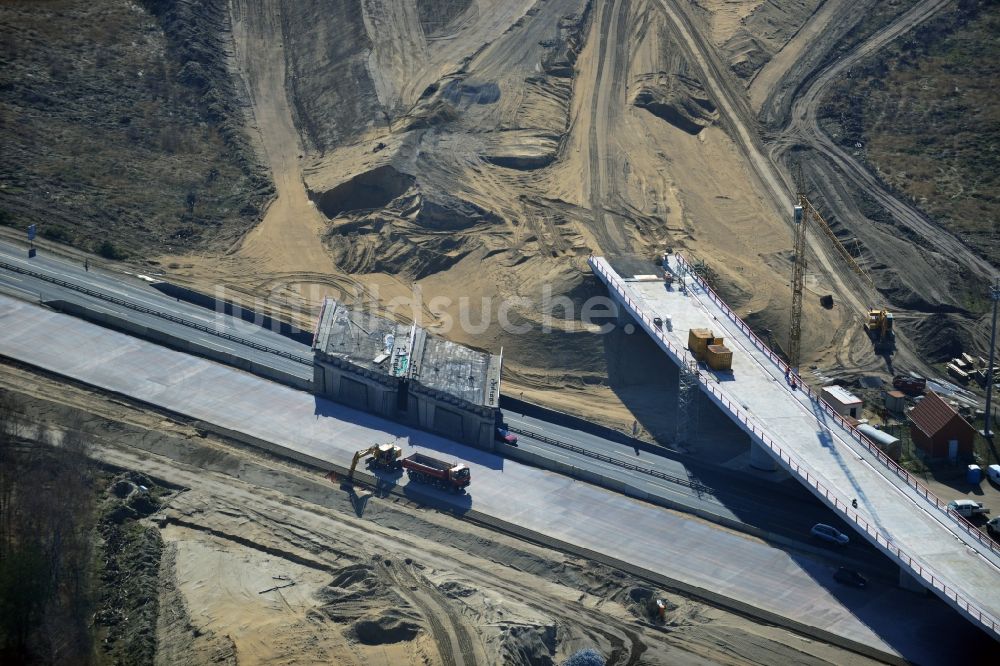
pixel 425 469
pixel 382 456
pixel 909 385
pixel 879 329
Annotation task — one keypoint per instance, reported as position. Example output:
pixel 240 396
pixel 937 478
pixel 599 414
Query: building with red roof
pixel 939 431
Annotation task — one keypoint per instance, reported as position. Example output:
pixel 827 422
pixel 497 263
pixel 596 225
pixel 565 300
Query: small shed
pixel 895 401
pixel 843 401
pixel 939 431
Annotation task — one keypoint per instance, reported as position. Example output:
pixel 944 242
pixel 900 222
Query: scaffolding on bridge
pixel 687 401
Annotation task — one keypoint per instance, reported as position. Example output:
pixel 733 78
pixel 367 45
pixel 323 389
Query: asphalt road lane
pixel 787 512
pixel 293 357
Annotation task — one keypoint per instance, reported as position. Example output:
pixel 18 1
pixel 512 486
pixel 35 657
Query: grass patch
pixel 121 125
pixel 924 111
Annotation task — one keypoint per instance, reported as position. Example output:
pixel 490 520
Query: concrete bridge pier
pixel 760 458
pixel 626 321
pixel 909 582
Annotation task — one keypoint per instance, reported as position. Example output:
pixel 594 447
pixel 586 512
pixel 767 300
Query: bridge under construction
pixel 791 427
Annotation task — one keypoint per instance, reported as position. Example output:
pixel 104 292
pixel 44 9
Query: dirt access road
pixel 605 112
pixel 852 348
pixel 918 252
pixel 803 127
pixel 920 267
pixel 266 562
pixel 259 55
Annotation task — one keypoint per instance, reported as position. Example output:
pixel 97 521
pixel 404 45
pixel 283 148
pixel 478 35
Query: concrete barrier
pixel 234 310
pixel 178 343
pixel 625 488
pixel 576 423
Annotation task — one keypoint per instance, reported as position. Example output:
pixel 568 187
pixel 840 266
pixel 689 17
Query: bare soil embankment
pixel 464 158
pixel 471 188
pixel 473 150
pixel 263 561
pixel 922 271
pixel 940 75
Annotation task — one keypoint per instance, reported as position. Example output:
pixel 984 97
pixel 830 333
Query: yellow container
pixel 698 340
pixel 719 357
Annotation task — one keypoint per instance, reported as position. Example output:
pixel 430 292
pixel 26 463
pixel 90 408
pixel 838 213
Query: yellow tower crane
pixel 880 331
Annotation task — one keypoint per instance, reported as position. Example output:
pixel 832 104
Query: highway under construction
pixel 414 444
pixel 627 528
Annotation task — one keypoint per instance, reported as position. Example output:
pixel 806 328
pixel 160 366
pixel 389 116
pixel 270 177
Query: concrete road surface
pixel 693 552
pixel 131 293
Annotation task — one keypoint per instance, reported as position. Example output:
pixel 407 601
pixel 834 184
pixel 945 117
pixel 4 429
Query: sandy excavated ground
pixel 479 149
pixel 430 153
pixel 486 156
pixel 269 563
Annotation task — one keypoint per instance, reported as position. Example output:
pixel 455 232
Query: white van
pixel 993 474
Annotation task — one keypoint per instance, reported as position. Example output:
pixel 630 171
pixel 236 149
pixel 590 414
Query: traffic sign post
pixel 32 231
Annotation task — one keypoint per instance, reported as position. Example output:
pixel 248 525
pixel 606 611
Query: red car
pixel 505 436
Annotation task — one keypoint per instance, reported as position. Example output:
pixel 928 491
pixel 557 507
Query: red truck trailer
pixel 423 468
pixel 909 385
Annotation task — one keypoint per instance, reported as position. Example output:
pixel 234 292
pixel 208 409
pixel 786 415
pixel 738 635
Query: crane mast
pixel 798 279
pixel 879 324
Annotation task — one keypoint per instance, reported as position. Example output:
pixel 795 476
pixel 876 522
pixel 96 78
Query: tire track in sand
pixel 602 111
pixel 432 604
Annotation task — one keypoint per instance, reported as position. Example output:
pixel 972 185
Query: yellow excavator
pixel 383 456
pixel 879 329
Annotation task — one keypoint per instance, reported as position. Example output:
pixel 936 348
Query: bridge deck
pixel 894 512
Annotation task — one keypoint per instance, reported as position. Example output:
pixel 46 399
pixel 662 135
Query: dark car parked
pixel 850 577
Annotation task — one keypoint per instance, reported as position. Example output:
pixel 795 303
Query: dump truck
pixel 425 469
